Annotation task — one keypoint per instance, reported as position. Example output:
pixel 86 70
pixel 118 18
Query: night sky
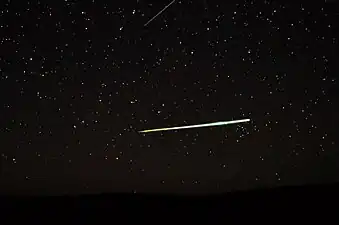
pixel 79 79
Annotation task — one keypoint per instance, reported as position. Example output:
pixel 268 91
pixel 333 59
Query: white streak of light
pixel 159 13
pixel 196 126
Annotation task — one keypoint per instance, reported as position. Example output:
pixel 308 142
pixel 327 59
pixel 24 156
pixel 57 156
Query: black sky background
pixel 79 79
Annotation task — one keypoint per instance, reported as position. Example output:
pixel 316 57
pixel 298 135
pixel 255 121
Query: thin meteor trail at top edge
pixel 197 126
pixel 159 13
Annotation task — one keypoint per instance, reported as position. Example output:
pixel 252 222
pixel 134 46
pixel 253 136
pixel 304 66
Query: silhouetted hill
pixel 288 201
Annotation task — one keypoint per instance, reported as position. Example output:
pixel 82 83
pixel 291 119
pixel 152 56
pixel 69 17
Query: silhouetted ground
pixel 305 202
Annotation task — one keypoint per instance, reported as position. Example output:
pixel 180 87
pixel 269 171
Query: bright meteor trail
pixel 196 126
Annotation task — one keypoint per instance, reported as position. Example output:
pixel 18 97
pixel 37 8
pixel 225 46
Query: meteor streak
pixel 159 13
pixel 196 126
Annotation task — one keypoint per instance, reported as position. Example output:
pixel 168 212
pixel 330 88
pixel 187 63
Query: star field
pixel 79 79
